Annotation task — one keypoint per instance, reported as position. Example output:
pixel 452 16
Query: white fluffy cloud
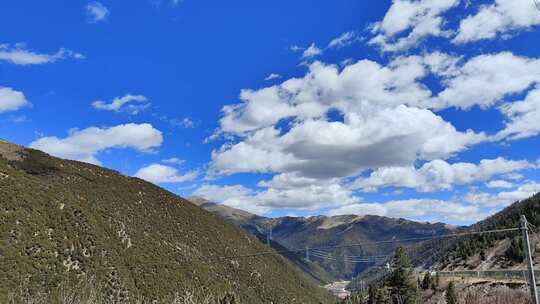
pixel 408 21
pixel 282 192
pixel 236 196
pixel 358 87
pixel 18 54
pixel 311 51
pixel 439 175
pixel 96 12
pixel 84 145
pixel 366 85
pixel 11 100
pixel 505 198
pixel 503 17
pixel 503 73
pixel 434 210
pixel 220 194
pixel 120 104
pixel 499 184
pixel 319 148
pixel 523 117
pixel 382 121
pixel 159 174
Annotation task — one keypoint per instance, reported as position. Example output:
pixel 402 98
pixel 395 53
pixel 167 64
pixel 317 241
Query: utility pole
pixel 269 235
pixel 307 256
pixel 528 256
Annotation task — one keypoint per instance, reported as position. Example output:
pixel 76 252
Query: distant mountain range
pixel 334 231
pixel 64 222
pixel 486 252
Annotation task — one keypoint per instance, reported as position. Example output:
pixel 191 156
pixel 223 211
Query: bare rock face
pixel 10 151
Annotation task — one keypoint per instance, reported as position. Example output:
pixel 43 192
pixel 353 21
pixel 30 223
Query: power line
pixel 472 233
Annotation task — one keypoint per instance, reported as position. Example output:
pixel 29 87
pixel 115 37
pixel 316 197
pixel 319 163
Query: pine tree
pixel 515 251
pixel 372 295
pixel 399 282
pixel 383 296
pixel 427 282
pixel 451 296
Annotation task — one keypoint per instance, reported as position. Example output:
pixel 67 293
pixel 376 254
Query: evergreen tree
pixel 402 291
pixel 427 282
pixel 383 296
pixel 515 251
pixel 372 295
pixel 451 296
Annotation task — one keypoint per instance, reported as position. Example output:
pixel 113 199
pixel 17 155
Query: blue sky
pixel 428 110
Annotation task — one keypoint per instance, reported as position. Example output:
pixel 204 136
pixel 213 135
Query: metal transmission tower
pixel 537 4
pixel 527 249
pixel 269 235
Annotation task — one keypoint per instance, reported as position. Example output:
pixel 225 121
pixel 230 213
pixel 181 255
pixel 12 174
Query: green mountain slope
pixel 63 221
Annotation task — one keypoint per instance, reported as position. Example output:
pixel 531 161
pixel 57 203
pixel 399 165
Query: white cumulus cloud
pixel 523 117
pixel 282 192
pixel 503 73
pixel 311 51
pixel 96 12
pixel 499 184
pixel 384 121
pixel 409 21
pixel 84 145
pixel 502 17
pixel 11 100
pixel 439 174
pixel 20 55
pixel 435 210
pixel 504 198
pixel 160 174
pixel 120 104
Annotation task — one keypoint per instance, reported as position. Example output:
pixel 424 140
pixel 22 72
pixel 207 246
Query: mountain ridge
pixel 322 231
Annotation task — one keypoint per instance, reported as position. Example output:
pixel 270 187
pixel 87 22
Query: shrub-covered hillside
pixel 63 222
pixel 500 250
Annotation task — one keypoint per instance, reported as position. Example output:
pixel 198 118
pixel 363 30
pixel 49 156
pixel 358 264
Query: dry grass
pixel 88 291
pixel 481 292
pixel 498 296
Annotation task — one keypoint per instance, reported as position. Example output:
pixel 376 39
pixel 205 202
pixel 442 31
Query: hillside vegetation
pixel 64 222
pixel 498 250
